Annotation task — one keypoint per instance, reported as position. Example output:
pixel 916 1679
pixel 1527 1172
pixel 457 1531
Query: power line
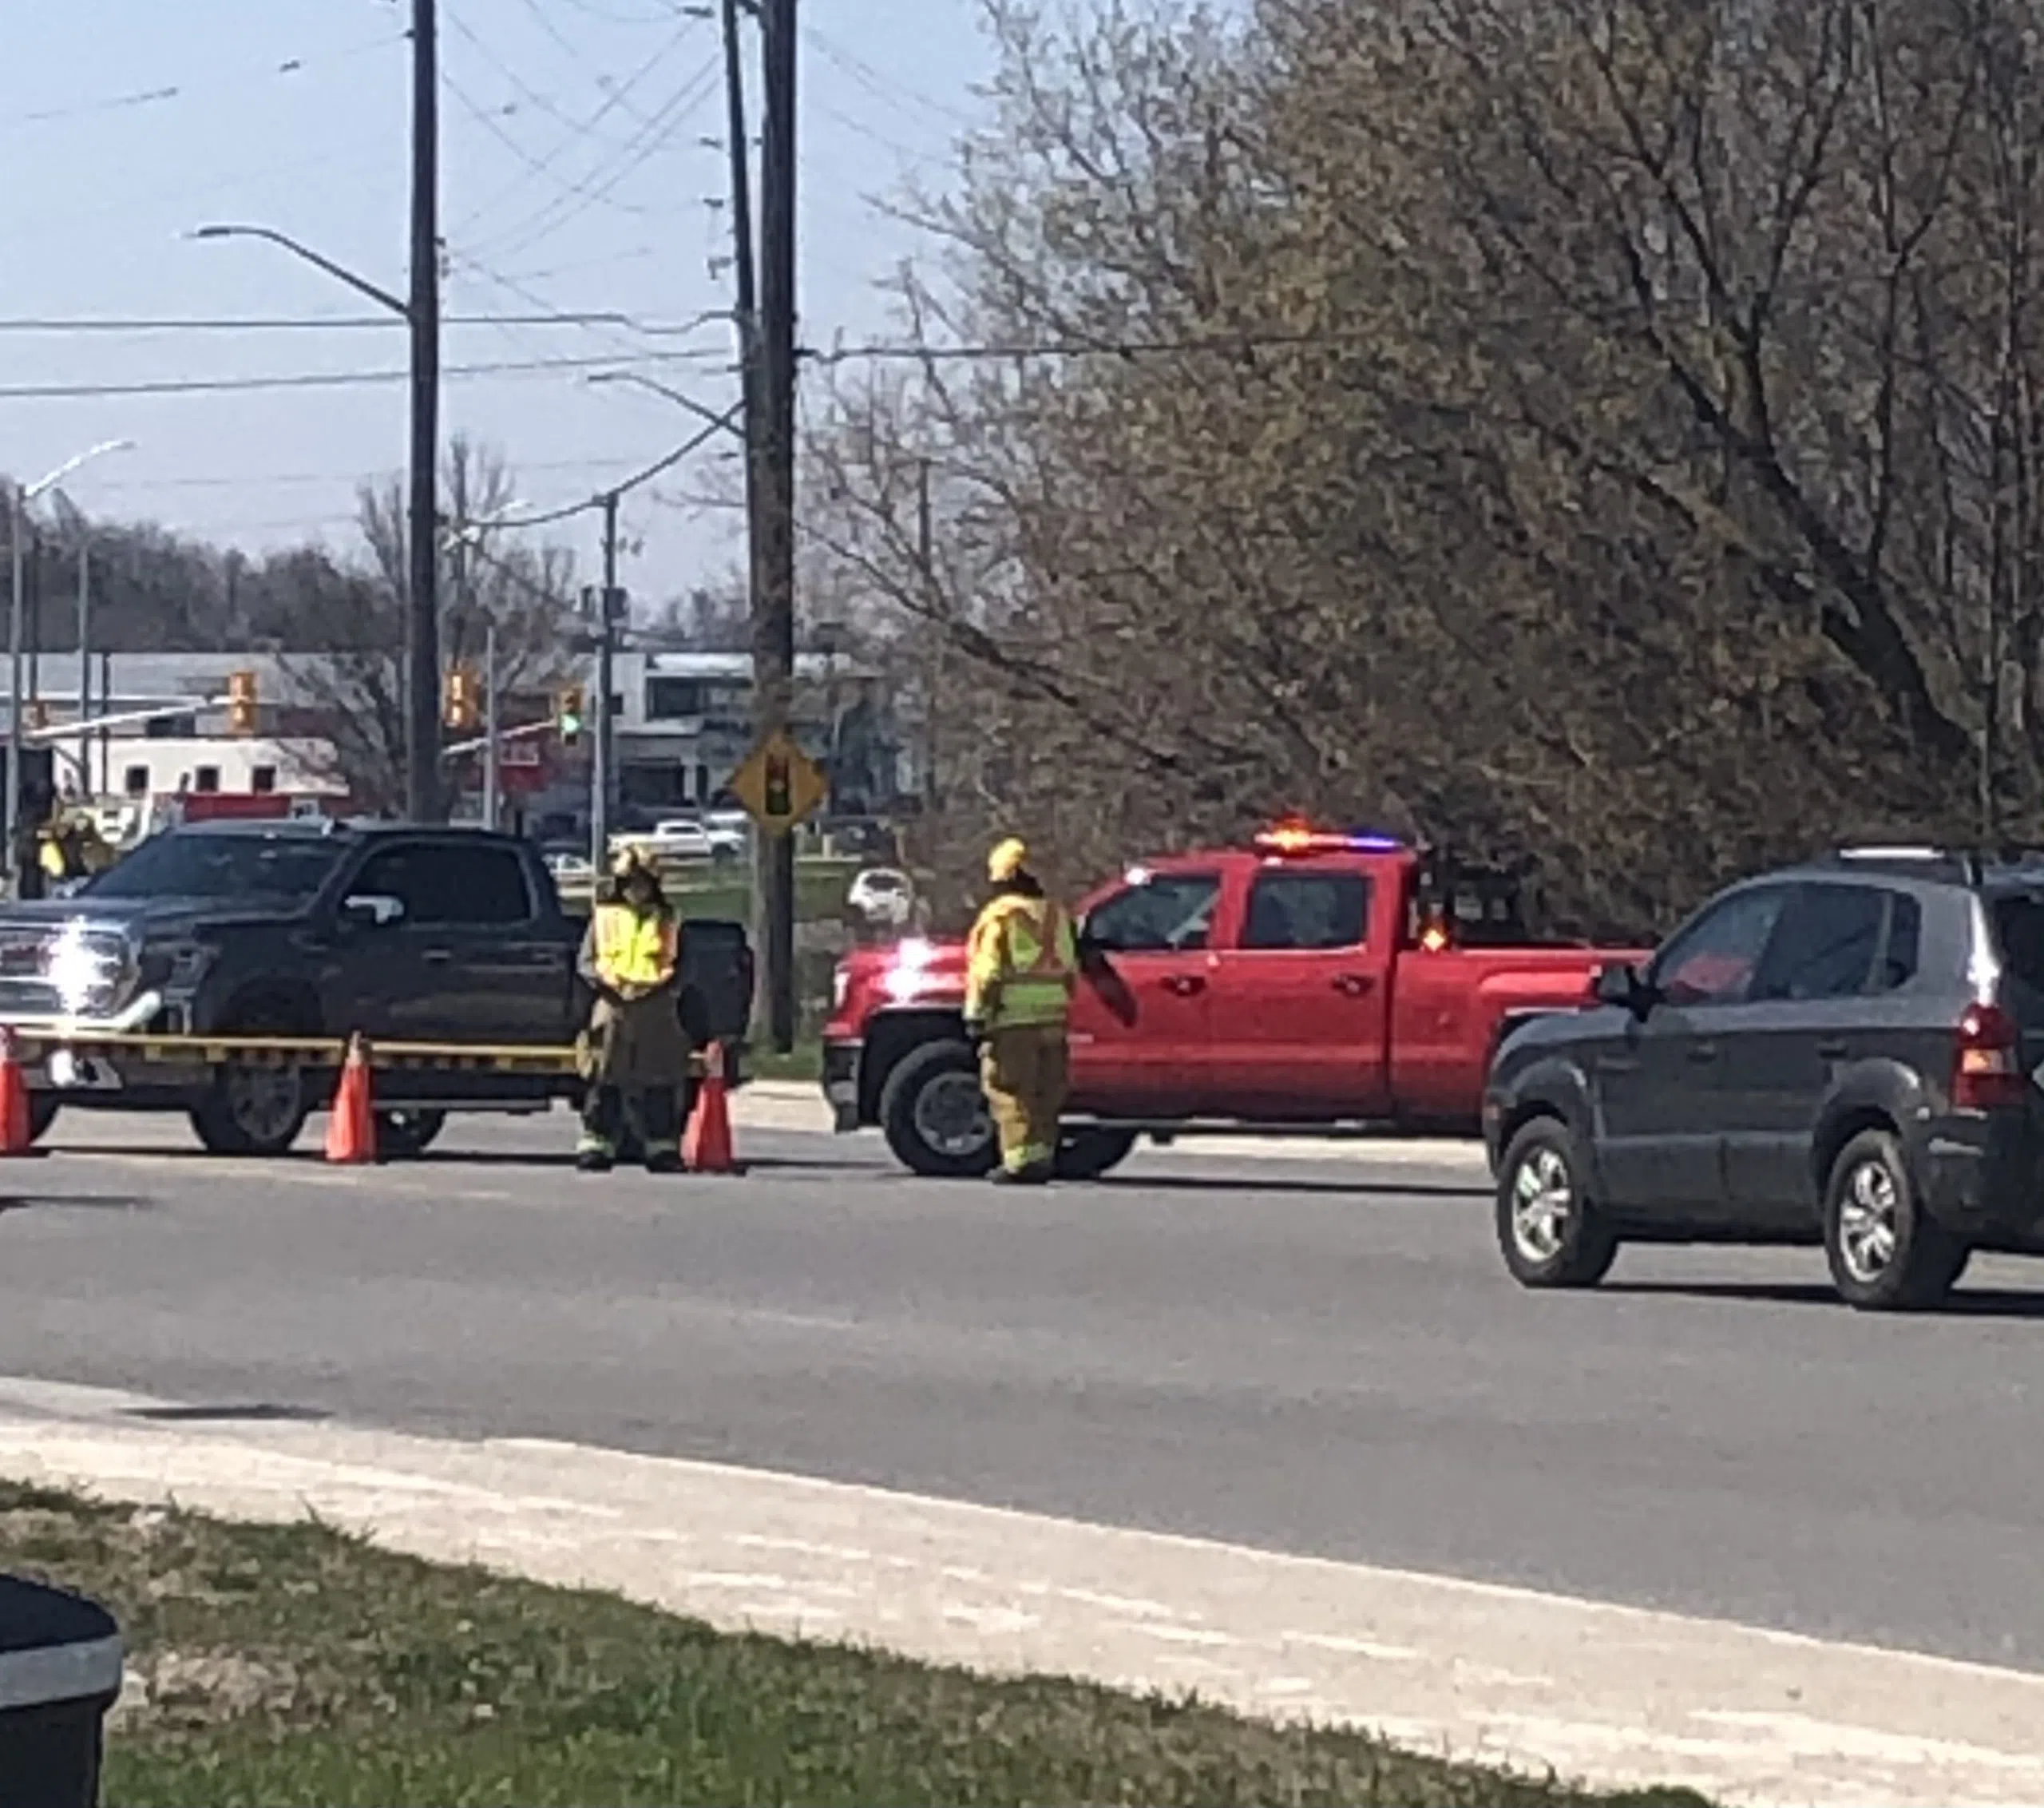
pixel 602 181
pixel 321 323
pixel 179 90
pixel 307 379
pixel 614 100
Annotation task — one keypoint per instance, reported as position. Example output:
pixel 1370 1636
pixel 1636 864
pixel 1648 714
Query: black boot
pixel 594 1161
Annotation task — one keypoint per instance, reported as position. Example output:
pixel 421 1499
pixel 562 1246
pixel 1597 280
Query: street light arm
pixel 340 273
pixel 727 419
pixel 41 486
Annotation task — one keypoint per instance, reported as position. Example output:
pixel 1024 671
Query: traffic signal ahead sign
pixel 779 785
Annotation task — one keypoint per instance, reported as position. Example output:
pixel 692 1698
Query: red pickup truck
pixel 1311 982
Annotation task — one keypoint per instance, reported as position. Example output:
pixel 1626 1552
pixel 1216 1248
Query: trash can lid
pixel 54 1646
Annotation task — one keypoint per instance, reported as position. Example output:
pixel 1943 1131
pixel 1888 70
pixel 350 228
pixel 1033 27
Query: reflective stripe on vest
pixel 1037 988
pixel 632 950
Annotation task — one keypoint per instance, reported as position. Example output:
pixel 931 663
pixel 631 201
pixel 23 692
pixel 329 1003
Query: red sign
pixel 221 807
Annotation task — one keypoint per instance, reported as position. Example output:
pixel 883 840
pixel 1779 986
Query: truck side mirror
pixel 1625 985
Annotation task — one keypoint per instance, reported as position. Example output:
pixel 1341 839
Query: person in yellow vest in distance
pixel 71 850
pixel 1021 962
pixel 635 1053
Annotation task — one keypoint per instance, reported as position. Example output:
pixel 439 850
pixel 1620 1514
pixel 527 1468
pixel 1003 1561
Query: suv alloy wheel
pixel 1550 1233
pixel 1886 1254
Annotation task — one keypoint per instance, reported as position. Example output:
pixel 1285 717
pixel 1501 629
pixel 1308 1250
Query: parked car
pixel 1844 1054
pixel 880 900
pixel 286 929
pixel 1308 982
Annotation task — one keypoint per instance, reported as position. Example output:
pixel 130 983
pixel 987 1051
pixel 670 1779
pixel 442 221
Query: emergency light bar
pixel 1295 839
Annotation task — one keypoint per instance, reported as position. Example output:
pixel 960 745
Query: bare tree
pixel 357 679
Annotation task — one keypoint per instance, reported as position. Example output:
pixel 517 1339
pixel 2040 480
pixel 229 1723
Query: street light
pixel 421 316
pixel 725 420
pixel 17 615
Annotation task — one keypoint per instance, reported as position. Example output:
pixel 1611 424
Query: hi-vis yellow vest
pixel 1020 964
pixel 635 949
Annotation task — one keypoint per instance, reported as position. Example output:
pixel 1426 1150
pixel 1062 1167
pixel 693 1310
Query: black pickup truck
pixel 286 928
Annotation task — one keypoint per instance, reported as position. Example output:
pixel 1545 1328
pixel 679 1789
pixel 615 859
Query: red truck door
pixel 1300 994
pixel 1139 1013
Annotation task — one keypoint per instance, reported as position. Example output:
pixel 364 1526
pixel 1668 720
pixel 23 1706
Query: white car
pixel 569 867
pixel 883 897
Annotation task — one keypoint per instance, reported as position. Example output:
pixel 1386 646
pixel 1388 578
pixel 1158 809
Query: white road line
pixel 1614 1695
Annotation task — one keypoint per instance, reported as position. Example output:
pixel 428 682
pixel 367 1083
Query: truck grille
pixel 61 970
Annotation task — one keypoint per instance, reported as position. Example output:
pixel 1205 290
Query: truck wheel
pixel 1551 1232
pixel 1886 1254
pixel 1087 1154
pixel 256 1110
pixel 405 1135
pixel 934 1117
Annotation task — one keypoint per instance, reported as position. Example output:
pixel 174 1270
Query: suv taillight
pixel 1989 1071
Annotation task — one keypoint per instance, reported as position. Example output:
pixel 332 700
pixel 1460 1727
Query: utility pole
pixel 490 741
pixel 85 656
pixel 603 730
pixel 773 598
pixel 424 794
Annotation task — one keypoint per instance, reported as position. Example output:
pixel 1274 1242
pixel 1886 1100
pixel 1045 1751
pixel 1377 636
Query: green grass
pixel 804 1061
pixel 288 1665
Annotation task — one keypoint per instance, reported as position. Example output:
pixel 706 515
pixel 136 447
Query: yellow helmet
pixel 1007 860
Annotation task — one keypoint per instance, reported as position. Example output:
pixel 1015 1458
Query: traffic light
pixel 461 710
pixel 242 708
pixel 567 714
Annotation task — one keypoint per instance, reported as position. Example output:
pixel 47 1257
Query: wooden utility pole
pixel 770 434
pixel 423 791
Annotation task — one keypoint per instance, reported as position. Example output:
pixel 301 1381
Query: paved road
pixel 1321 1358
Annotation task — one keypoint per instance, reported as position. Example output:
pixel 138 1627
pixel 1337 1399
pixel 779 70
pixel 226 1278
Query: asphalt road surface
pixel 1318 1357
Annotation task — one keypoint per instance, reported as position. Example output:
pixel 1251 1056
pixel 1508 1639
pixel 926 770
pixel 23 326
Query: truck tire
pixel 934 1115
pixel 1086 1154
pixel 256 1111
pixel 1549 1228
pixel 405 1135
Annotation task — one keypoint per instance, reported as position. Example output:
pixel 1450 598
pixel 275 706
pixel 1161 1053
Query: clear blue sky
pixel 581 145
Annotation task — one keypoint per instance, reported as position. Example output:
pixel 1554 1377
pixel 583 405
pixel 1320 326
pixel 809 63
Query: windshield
pixel 219 866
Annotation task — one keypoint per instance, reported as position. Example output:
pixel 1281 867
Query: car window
pixel 1156 915
pixel 1905 936
pixel 1322 911
pixel 221 865
pixel 1713 961
pixel 443 885
pixel 1824 945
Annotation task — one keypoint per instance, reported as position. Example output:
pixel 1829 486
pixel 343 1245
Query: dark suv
pixel 1841 1052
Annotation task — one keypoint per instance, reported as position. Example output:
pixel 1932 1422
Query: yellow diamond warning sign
pixel 779 785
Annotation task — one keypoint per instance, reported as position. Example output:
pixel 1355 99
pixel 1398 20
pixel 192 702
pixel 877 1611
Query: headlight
pixel 89 969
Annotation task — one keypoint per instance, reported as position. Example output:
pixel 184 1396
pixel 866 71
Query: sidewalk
pixel 1617 1696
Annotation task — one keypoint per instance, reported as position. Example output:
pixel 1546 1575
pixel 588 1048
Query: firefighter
pixel 1020 964
pixel 635 1052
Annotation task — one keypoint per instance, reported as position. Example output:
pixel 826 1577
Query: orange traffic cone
pixel 16 1137
pixel 351 1130
pixel 706 1148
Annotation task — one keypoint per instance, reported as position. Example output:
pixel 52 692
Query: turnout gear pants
pixel 606 1110
pixel 1025 1070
